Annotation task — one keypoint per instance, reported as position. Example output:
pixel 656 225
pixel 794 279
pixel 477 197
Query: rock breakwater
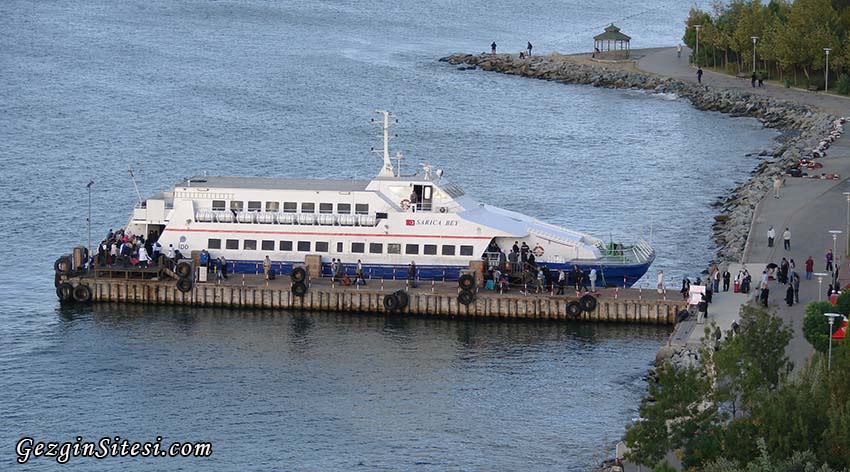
pixel 804 128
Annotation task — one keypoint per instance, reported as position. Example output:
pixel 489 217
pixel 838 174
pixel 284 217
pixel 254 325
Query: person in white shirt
pixel 593 280
pixel 143 257
pixel 771 235
pixel 786 239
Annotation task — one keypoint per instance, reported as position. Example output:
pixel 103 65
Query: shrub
pixel 816 325
pixel 842 86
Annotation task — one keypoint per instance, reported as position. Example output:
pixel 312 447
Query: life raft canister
pixel 538 251
pixel 405 204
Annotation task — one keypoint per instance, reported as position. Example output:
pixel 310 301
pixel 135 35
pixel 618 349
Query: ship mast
pixel 387 170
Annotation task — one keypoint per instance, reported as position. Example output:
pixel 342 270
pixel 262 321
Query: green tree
pixel 816 325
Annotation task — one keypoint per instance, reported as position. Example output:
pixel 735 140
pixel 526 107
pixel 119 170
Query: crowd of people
pixel 521 265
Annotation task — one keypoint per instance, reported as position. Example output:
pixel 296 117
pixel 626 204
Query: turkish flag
pixel 410 222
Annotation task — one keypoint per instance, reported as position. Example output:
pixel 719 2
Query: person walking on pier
pixel 829 260
pixel 267 266
pixel 753 80
pixel 540 279
pixel 726 277
pixel 528 48
pixel 810 267
pixel 411 274
pixel 786 239
pixel 715 280
pixel 699 75
pixel 771 235
pixel 795 282
pixel 562 281
pixel 493 48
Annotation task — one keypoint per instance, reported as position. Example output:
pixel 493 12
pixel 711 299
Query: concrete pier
pixel 437 299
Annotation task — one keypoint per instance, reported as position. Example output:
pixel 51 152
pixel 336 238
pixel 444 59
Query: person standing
pixel 660 285
pixel 493 47
pixel 726 277
pixel 753 80
pixel 411 274
pixel 715 279
pixel 786 239
pixel 679 51
pixel 562 281
pixel 540 279
pixel 699 75
pixel 777 182
pixel 358 270
pixel 528 48
pixel 829 260
pixel 789 295
pixel 267 266
pixel 795 282
pixel 143 257
pixel 592 280
pixel 810 267
pixel 771 235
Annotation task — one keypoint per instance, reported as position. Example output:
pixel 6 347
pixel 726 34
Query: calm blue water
pixel 175 88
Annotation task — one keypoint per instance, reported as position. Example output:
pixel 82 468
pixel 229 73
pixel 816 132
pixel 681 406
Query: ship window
pixel 448 250
pixel 273 206
pixel 250 245
pixel 255 206
pixel 393 248
pixel 411 249
pixel 285 245
pixel 361 209
pixel 231 244
pixel 321 246
pixel 343 208
pixel 236 206
pixel 429 249
pixel 290 207
pixel 466 250
pixel 339 247
pixel 358 248
pixel 268 246
pixel 376 248
pixel 304 246
pixel 214 243
pixel 218 205
pixel 308 208
pixel 326 207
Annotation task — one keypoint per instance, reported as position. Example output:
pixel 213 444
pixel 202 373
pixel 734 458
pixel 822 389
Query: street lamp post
pixel 696 58
pixel 826 71
pixel 88 222
pixel 820 276
pixel 832 317
pixel 847 248
pixel 754 38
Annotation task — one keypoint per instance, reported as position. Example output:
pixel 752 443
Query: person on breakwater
pixel 528 48
pixel 777 182
pixel 493 47
pixel 771 235
pixel 795 282
pixel 753 79
pixel 699 75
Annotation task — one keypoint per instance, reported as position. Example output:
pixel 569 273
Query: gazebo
pixel 611 37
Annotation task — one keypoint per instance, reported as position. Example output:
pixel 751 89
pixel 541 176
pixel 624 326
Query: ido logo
pixel 410 222
pixel 183 244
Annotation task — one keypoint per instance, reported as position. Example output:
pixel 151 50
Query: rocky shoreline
pixel 806 132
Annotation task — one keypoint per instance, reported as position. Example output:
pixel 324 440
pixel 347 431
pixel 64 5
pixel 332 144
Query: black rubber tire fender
pixel 299 289
pixel 588 303
pixel 62 265
pixel 403 299
pixel 574 309
pixel 391 302
pixel 183 269
pixel 466 281
pixel 682 316
pixel 82 293
pixel 65 292
pixel 298 274
pixel 184 285
pixel 465 297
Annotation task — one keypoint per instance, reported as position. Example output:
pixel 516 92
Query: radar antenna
pixel 387 170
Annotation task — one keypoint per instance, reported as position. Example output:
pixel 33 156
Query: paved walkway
pixel 808 207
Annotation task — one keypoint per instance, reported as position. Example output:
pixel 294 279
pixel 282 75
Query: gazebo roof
pixel 612 33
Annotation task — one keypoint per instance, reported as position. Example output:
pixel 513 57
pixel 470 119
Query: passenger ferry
pixel 386 223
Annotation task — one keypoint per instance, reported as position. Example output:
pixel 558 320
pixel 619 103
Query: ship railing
pixel 638 253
